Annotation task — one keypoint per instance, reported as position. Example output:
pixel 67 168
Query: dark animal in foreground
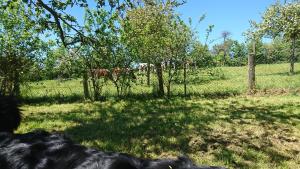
pixel 10 116
pixel 43 150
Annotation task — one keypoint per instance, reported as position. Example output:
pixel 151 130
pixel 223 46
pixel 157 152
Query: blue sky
pixel 226 15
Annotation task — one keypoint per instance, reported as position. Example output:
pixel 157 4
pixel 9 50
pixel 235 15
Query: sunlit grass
pixel 237 132
pixel 218 124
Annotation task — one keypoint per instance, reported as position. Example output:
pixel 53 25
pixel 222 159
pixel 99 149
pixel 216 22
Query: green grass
pixel 224 81
pixel 218 125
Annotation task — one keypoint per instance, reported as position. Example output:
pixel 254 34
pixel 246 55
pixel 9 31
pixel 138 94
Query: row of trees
pixel 116 34
pixel 275 51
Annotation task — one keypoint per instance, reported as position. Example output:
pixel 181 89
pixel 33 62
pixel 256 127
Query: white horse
pixel 143 67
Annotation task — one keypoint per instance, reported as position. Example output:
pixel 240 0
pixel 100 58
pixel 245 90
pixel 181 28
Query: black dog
pixel 10 116
pixel 42 150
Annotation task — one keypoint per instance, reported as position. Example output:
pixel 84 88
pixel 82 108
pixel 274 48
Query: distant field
pixel 222 81
pixel 217 125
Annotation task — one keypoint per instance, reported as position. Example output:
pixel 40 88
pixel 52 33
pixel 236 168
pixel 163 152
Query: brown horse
pixel 114 74
pixel 98 73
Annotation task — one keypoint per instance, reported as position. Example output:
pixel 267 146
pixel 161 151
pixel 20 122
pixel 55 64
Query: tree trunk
pixel 16 88
pixel 292 59
pixel 148 73
pixel 85 86
pixel 169 80
pixel 96 90
pixel 251 71
pixel 95 87
pixel 118 89
pixel 4 86
pixel 184 78
pixel 224 58
pixel 159 74
pixel 224 48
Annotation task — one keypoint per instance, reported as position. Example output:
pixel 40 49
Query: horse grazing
pixel 142 67
pixel 98 73
pixel 114 74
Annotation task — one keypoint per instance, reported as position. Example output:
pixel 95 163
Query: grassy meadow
pixel 217 124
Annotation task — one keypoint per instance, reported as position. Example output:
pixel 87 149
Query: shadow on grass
pixel 189 96
pixel 287 73
pixel 75 98
pixel 269 134
pixel 158 126
pixel 55 99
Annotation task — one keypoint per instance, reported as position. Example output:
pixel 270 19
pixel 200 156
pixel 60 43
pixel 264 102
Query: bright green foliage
pixel 151 31
pixel 179 40
pixel 276 51
pixel 212 82
pixel 105 46
pixel 222 51
pixel 238 54
pixel 104 49
pixel 155 33
pixel 19 45
pixel 179 45
pixel 59 64
pixel 283 20
pixel 146 31
pixel 201 55
pixel 55 16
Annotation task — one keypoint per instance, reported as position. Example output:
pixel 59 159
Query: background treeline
pixel 57 63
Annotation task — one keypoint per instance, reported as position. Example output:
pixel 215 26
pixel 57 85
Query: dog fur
pixel 10 115
pixel 43 150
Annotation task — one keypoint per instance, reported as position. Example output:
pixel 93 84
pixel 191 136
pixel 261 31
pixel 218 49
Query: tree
pixel 58 64
pixel 135 37
pixel 147 33
pixel 222 52
pixel 178 44
pixel 225 35
pixel 107 50
pixel 20 45
pixel 283 20
pixel 238 53
pixel 201 55
pixel 53 16
pixel 276 51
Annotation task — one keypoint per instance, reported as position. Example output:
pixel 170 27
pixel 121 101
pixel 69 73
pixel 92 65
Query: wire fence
pixel 223 81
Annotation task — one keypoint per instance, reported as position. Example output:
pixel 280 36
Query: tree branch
pixel 58 19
